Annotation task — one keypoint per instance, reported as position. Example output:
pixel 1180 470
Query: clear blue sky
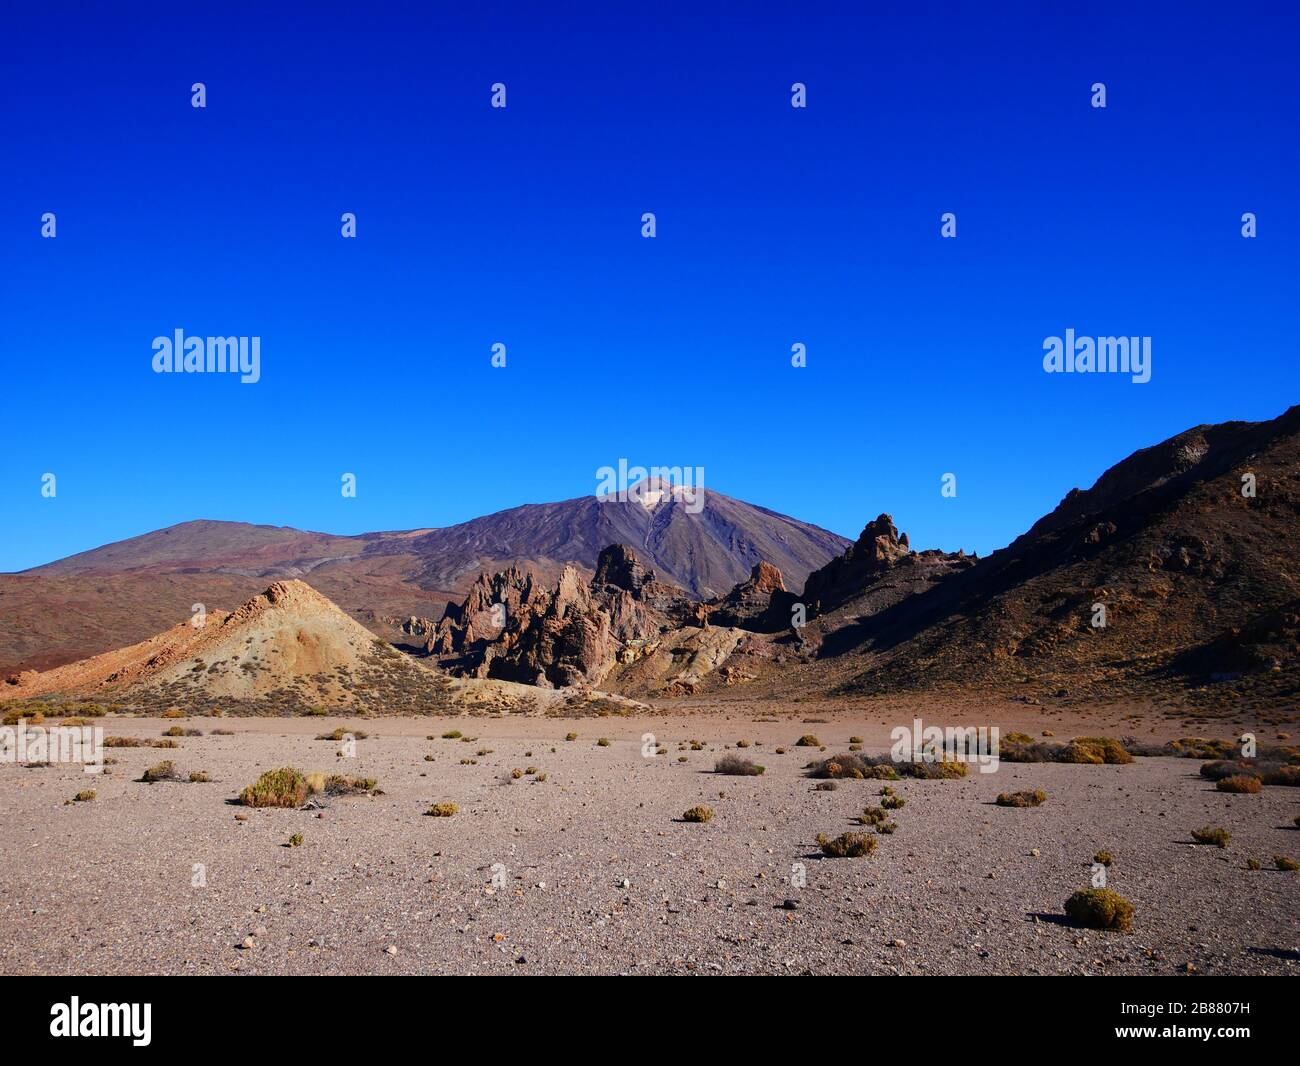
pixel 522 226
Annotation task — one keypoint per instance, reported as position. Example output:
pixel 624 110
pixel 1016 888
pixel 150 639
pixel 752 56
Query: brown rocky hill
pixel 1199 583
pixel 287 650
pixel 126 591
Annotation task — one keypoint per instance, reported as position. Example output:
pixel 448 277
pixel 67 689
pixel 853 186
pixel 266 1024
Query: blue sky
pixel 522 226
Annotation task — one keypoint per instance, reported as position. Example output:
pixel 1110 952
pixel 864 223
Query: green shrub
pixel 892 803
pixel 603 742
pixel 295 841
pixel 570 736
pixel 285 787
pixel 442 810
pixel 1100 908
pixel 452 734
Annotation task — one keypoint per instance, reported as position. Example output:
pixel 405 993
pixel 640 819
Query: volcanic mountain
pixel 122 592
pixel 287 650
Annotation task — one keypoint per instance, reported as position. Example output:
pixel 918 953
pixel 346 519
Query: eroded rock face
pixel 510 629
pixel 754 603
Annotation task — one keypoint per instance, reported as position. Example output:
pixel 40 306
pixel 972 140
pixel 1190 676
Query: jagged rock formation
pixel 510 628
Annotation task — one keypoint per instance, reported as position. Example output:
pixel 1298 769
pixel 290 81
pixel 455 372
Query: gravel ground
pixel 597 873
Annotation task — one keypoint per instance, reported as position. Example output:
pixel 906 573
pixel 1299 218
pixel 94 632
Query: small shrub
pixel 735 766
pixel 199 777
pixel 174 731
pixel 892 803
pixel 808 740
pixel 742 743
pixel 85 796
pixel 539 777
pixel 1212 834
pixel 516 774
pixel 341 733
pixel 442 810
pixel 1107 749
pixel 1100 908
pixel 855 740
pixel 825 786
pixel 848 846
pixel 1024 798
pixel 1254 864
pixel 698 814
pixel 285 787
pixel 570 736
pixel 1283 863
pixel 163 771
pixel 872 816
pixel 295 841
pixel 452 734
pixel 1239 783
pixel 1103 857
pixel 173 712
pixel 603 742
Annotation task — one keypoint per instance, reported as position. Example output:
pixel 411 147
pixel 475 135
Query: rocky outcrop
pixel 755 603
pixel 877 554
pixel 511 629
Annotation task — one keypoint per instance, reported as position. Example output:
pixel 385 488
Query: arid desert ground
pixel 592 870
